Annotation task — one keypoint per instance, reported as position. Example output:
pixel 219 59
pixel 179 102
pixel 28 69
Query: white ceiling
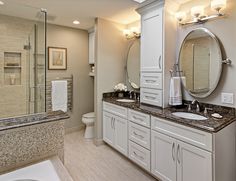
pixel 63 12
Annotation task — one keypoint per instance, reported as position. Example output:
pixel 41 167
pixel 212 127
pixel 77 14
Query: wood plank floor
pixel 86 162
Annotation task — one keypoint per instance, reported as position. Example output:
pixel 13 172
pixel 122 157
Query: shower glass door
pixel 22 59
pixel 37 66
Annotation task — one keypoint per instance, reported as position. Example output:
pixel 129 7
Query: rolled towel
pixel 175 96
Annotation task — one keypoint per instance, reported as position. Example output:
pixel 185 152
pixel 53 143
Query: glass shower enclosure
pixel 22 60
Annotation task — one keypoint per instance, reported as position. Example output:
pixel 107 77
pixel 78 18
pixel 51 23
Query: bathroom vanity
pixel 169 147
pixel 172 144
pixel 28 139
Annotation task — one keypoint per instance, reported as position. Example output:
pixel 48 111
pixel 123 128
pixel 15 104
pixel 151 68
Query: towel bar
pixel 69 92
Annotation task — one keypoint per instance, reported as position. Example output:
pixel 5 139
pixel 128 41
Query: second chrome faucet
pixel 196 102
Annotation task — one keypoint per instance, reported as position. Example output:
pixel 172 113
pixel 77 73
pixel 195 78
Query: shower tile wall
pixel 14 34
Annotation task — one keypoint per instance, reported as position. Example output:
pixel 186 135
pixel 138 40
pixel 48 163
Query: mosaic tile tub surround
pixel 32 139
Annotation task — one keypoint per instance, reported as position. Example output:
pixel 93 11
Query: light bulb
pixel 180 16
pixel 76 22
pixel 218 4
pixel 197 11
pixel 126 32
pixel 134 29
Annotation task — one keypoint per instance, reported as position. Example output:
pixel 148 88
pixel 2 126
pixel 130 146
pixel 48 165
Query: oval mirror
pixel 200 60
pixel 133 64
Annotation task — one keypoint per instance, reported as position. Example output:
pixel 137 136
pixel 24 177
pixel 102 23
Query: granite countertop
pixel 15 122
pixel 210 125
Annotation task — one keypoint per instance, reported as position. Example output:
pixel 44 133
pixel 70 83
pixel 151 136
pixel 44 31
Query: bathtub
pixel 43 171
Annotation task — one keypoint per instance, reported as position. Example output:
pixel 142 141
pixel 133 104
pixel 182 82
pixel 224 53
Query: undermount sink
pixel 126 100
pixel 191 116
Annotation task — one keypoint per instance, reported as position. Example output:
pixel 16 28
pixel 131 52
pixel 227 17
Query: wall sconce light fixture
pixel 198 14
pixel 131 33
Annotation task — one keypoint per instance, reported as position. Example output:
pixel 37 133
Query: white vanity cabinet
pixel 115 127
pixel 168 150
pixel 180 153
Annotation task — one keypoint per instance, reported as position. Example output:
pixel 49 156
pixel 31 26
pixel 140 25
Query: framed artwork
pixel 57 58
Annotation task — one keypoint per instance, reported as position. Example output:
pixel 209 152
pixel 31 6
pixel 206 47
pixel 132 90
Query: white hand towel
pixel 59 95
pixel 175 97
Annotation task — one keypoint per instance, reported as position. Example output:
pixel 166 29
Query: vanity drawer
pixel 151 96
pixel 189 135
pixel 139 118
pixel 151 80
pixel 139 155
pixel 139 135
pixel 114 109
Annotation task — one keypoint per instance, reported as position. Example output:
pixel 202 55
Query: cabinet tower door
pixel 152 41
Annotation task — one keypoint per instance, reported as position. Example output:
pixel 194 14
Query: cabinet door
pixel 151 41
pixel 163 157
pixel 108 128
pixel 193 163
pixel 121 132
pixel 91 48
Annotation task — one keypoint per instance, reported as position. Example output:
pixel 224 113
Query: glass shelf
pixel 12 67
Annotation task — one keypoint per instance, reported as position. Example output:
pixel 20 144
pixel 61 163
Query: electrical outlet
pixel 227 98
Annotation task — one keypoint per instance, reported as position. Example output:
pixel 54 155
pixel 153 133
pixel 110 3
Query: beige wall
pixel 76 42
pixel 110 63
pixel 134 24
pixel 224 29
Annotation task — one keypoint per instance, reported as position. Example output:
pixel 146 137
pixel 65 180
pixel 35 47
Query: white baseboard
pixel 74 129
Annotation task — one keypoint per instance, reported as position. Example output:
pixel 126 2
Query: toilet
pixel 88 119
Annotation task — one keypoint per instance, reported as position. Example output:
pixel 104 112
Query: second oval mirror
pixel 133 64
pixel 200 59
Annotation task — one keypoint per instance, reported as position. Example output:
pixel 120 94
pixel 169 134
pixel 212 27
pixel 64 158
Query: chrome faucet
pixel 197 104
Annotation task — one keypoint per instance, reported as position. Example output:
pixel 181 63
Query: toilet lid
pixel 89 115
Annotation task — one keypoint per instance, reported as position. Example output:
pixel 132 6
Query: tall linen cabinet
pixel 158 52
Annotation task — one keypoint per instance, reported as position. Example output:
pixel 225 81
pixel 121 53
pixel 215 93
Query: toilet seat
pixel 89 115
